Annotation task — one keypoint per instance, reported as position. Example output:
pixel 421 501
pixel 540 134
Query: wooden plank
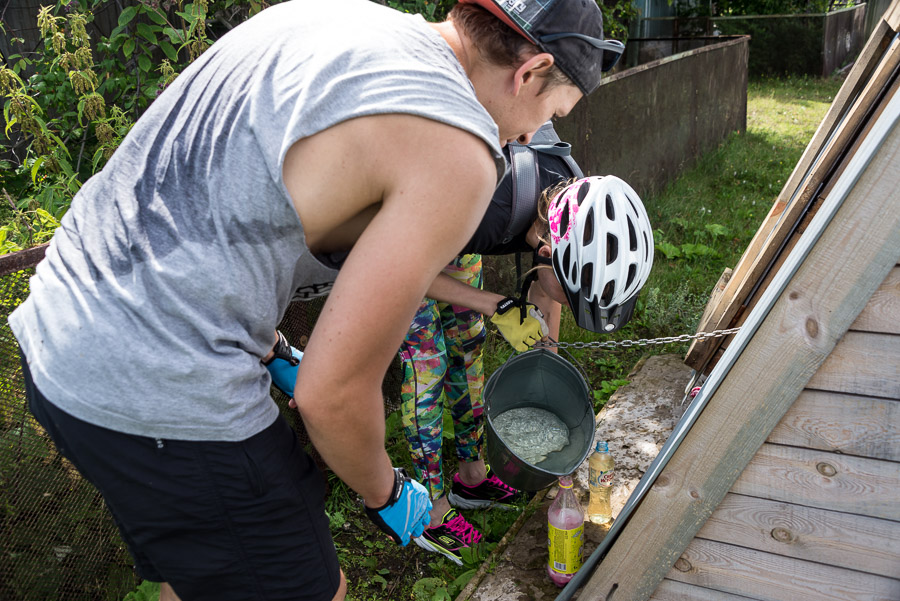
pixel 769 577
pixel 882 314
pixel 825 480
pixel 715 296
pixel 825 295
pixel 876 58
pixel 837 169
pixel 832 538
pixel 842 423
pixel 892 16
pixel 672 590
pixel 862 363
pixel 23 259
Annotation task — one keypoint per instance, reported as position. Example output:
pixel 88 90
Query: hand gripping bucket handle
pixel 542 379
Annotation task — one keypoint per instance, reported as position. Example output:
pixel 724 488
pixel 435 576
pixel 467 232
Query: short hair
pixel 499 44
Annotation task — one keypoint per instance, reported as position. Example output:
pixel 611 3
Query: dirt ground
pixel 636 422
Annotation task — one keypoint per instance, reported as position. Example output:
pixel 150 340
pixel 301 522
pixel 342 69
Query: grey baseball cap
pixel 570 30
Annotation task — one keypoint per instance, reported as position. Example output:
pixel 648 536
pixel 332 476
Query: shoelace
pixel 463 530
pixel 494 480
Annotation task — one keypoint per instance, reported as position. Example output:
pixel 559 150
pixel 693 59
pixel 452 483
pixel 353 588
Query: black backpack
pixel 524 161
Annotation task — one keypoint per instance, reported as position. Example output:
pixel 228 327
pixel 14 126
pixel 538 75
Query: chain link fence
pixel 58 542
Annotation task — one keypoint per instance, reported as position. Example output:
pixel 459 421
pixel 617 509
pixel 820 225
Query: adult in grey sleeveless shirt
pixel 176 263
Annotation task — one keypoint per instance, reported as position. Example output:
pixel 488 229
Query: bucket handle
pixel 578 366
pixel 572 360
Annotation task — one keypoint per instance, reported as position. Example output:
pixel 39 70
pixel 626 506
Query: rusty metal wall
pixel 647 123
pixel 844 37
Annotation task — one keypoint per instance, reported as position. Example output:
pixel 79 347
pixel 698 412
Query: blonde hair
pixel 543 223
pixel 547 196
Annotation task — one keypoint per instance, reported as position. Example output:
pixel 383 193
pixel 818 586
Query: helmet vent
pixel 632 236
pixel 564 220
pixel 612 248
pixel 583 191
pixel 567 259
pixel 587 278
pixel 608 291
pixel 631 202
pixel 646 246
pixel 632 271
pixel 588 236
pixel 610 208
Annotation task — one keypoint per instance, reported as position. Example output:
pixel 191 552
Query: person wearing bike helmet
pixel 442 352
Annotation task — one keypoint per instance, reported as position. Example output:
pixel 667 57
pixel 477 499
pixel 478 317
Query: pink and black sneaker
pixel 449 538
pixel 489 492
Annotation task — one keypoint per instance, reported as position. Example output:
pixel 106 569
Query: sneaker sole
pixel 423 542
pixel 461 503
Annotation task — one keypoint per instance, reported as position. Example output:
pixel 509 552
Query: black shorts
pixel 216 520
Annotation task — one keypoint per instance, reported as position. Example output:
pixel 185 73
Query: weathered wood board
pixel 767 577
pixel 842 423
pixel 862 363
pixel 824 480
pixel 882 314
pixel 829 537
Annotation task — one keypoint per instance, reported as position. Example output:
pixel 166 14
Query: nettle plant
pixel 68 105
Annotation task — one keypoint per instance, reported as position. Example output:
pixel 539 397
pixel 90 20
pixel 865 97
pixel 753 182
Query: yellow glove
pixel 521 323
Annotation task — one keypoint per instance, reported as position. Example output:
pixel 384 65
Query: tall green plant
pixel 68 106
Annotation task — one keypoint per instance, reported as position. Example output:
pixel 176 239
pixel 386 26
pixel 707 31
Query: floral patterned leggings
pixel 442 366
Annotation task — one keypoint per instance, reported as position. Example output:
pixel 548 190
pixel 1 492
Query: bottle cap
pixel 565 481
pixel 602 447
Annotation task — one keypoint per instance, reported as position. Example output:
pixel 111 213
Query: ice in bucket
pixel 532 433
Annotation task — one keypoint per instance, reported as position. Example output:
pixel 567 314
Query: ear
pixel 532 70
pixel 544 251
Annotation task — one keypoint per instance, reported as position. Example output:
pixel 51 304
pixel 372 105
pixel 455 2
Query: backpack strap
pixel 526 181
pixel 526 178
pixel 547 141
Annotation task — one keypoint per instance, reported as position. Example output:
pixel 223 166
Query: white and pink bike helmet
pixel 602 247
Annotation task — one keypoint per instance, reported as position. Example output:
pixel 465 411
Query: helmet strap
pixel 536 260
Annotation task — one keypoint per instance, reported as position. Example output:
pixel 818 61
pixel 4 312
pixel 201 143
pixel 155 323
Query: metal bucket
pixel 542 379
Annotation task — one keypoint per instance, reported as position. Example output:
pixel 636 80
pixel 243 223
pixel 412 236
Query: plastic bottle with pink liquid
pixel 565 534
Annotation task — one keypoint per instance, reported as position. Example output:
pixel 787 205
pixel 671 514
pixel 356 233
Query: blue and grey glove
pixel 283 365
pixel 405 515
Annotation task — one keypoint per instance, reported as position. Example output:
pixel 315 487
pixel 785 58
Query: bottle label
pixel 565 548
pixel 600 478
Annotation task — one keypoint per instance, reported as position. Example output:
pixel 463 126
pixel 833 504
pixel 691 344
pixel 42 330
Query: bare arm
pixel 425 214
pixel 446 289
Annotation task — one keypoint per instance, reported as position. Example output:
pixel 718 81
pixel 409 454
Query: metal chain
pixel 639 342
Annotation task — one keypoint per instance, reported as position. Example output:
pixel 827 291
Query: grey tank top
pixel 165 282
